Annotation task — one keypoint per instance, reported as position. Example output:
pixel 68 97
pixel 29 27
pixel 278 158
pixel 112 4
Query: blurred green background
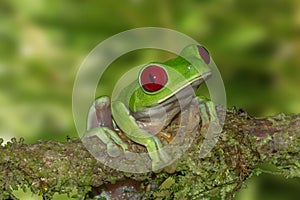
pixel 255 44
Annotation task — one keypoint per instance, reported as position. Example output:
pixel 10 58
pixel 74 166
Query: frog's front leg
pixel 100 124
pixel 210 127
pixel 129 126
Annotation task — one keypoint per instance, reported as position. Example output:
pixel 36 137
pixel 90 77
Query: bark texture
pixel 244 148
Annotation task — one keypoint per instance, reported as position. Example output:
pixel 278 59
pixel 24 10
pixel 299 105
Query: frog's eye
pixel 153 78
pixel 204 54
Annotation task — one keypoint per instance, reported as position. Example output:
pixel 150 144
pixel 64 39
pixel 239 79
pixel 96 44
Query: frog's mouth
pixel 173 104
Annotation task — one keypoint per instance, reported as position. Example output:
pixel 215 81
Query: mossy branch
pixel 245 143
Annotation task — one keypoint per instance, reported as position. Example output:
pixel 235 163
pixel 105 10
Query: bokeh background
pixel 255 44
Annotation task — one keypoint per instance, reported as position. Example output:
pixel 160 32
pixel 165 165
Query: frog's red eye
pixel 153 78
pixel 204 54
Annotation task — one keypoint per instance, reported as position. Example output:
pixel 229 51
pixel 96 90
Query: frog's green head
pixel 160 81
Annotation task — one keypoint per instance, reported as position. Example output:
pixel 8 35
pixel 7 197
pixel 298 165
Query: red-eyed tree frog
pixel 160 89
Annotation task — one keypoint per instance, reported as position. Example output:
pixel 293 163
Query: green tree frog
pixel 151 101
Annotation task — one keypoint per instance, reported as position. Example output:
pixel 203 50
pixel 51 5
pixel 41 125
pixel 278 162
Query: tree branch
pixel 244 144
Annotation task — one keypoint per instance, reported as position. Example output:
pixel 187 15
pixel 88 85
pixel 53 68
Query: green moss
pixel 47 168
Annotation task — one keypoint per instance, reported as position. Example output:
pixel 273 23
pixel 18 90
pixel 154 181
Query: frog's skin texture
pixel 157 95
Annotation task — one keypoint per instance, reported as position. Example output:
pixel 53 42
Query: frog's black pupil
pixel 151 78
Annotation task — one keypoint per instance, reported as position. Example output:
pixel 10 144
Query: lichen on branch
pixel 245 143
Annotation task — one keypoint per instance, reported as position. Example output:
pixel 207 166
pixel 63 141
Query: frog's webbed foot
pixel 100 124
pixel 159 158
pixel 211 126
pixel 152 143
pixel 157 154
pixel 112 141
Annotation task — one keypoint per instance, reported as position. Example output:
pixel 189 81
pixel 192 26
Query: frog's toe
pixel 114 144
pixel 159 160
pixel 165 158
pixel 156 167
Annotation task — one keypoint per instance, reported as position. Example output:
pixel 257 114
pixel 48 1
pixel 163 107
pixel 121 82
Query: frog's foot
pixel 211 126
pixel 115 145
pixel 158 164
pixel 157 154
pixel 209 117
pixel 99 124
